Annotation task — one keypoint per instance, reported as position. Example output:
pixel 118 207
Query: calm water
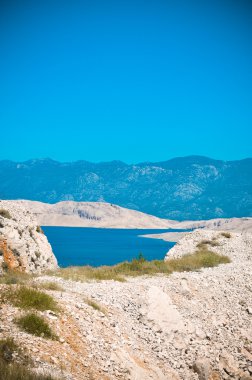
pixel 100 246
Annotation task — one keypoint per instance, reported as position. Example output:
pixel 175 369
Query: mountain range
pixel 193 187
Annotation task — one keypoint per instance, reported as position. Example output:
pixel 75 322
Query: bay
pixel 104 246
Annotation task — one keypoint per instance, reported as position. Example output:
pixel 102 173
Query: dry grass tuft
pixel 203 243
pixel 5 213
pixel 226 235
pixel 95 305
pixel 50 285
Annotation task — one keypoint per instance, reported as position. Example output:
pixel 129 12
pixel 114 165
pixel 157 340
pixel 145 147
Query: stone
pixel 203 368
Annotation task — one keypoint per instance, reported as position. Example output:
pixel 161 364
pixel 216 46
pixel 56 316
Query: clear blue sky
pixel 127 80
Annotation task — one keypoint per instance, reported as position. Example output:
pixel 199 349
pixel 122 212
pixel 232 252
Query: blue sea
pixel 103 246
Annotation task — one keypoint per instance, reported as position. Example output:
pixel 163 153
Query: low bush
pixel 5 213
pixel 28 298
pixel 35 325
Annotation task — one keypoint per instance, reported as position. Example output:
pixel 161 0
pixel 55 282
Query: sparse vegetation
pixel 5 213
pixel 95 305
pixel 203 243
pixel 19 372
pixel 49 285
pixel 8 348
pixel 14 361
pixel 202 258
pixel 35 325
pixel 14 277
pixel 226 235
pixel 137 267
pixel 28 298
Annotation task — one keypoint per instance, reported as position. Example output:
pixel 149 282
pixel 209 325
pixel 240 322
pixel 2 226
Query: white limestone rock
pixel 27 247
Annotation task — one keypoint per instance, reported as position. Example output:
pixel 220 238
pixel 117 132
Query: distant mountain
pixel 183 188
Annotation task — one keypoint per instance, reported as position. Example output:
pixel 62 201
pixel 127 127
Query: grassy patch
pixel 13 277
pixel 200 259
pixel 28 298
pixel 95 305
pixel 86 273
pixel 50 285
pixel 19 372
pixel 226 235
pixel 35 325
pixel 204 243
pixel 5 213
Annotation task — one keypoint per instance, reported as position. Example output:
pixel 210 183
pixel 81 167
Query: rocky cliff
pixel 23 246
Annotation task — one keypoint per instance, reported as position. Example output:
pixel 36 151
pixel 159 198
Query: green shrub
pixel 35 325
pixel 5 213
pixel 28 298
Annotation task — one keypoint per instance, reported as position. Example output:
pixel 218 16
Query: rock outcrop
pixel 236 245
pixel 23 246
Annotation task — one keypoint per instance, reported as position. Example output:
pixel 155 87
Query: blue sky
pixel 126 80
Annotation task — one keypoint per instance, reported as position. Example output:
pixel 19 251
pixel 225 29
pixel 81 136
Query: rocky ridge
pixel 92 214
pixel 23 245
pixel 187 326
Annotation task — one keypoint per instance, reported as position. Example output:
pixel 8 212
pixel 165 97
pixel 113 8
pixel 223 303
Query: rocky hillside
pixel 189 188
pixel 231 224
pixel 92 214
pixel 23 245
pixel 186 326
